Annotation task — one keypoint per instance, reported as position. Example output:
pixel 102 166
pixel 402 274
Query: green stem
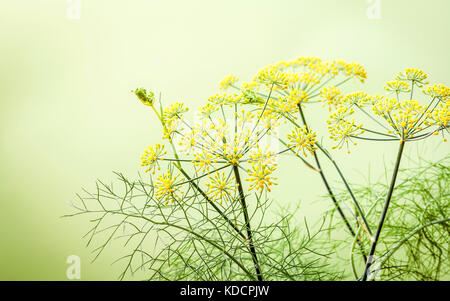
pixel 352 262
pixel 341 175
pixel 247 223
pixel 385 210
pixel 324 180
pixel 178 166
pixel 212 203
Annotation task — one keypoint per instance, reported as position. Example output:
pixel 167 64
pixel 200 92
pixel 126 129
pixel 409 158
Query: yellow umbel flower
pixel 342 112
pixel 439 91
pixel 283 105
pixel 264 156
pixel 221 188
pixel 383 106
pixel 171 126
pixel 207 110
pixel 151 156
pixel 297 96
pixel 343 130
pixel 225 99
pixel 310 62
pixel 440 116
pixel 167 188
pixel 352 70
pixel 331 96
pixel 359 98
pixel 416 76
pixel 171 119
pixel 260 176
pixel 397 86
pixel 231 152
pixel 147 98
pixel 403 116
pixel 204 159
pixel 273 78
pixel 310 78
pixel 228 81
pixel 341 127
pixel 302 140
pixel 175 110
pixel 249 86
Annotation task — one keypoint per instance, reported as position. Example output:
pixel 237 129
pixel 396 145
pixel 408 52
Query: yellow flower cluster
pixel 352 69
pixel 260 176
pixel 207 110
pixel 359 99
pixel 297 96
pixel 225 99
pixel 242 140
pixel 238 140
pixel 402 116
pixel 341 128
pixel 440 116
pixel 151 156
pixel 175 110
pixel 213 140
pixel 264 156
pixel 167 188
pixel 310 62
pixel 302 140
pixel 335 100
pixel 331 96
pixel 282 105
pixel 305 72
pixel 397 86
pixel 416 76
pixel 171 119
pixel 405 118
pixel 273 78
pixel 221 187
pixel 439 91
pixel 228 81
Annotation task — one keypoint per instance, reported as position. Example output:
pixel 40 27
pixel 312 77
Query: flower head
pixel 342 126
pixel 225 99
pixel 302 140
pixel 343 131
pixel 168 188
pixel 207 110
pixel 175 110
pixel 440 116
pixel 260 176
pixel 416 76
pixel 359 99
pixel 151 156
pixel 352 70
pixel 402 116
pixel 228 81
pixel 331 96
pixel 221 187
pixel 272 77
pixel 397 86
pixel 439 91
pixel 297 96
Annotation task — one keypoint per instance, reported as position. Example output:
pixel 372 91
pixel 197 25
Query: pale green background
pixel 67 116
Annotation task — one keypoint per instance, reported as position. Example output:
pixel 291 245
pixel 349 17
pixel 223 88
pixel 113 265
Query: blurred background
pixel 67 116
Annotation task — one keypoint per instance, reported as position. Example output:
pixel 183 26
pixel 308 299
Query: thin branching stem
pixel 325 182
pixel 247 223
pixel 385 210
